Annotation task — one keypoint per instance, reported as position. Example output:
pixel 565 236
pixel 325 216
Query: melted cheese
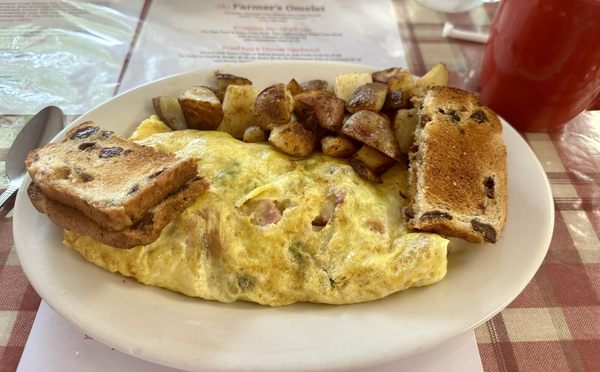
pixel 220 248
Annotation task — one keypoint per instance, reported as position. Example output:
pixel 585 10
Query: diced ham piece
pixel 262 211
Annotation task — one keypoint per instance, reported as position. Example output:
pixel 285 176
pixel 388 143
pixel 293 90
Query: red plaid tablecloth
pixel 554 325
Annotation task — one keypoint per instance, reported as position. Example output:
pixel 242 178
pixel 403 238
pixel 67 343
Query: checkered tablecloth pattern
pixel 554 325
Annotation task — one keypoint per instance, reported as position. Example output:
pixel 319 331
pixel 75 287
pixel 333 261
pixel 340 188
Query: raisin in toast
pixel 109 179
pixel 458 168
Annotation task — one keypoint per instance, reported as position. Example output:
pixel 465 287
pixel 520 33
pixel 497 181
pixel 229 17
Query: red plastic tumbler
pixel 541 65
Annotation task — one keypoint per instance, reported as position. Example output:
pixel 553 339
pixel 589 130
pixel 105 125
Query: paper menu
pixel 181 35
pixel 55 345
pixel 77 54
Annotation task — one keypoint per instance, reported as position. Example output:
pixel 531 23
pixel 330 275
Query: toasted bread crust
pixel 458 171
pixel 109 179
pixel 146 231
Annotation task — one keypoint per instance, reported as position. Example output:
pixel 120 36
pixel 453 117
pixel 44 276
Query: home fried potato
pixel 225 80
pixel 238 109
pixel 304 103
pixel 293 139
pixel 400 84
pixel 370 163
pixel 383 76
pixel 346 84
pixel 374 130
pixel 404 123
pixel 314 85
pixel 330 112
pixel 397 100
pixel 370 96
pixel 312 124
pixel 254 134
pixel 294 87
pixel 337 146
pixel 169 111
pixel 438 75
pixel 403 81
pixel 372 110
pixel 201 108
pixel 273 106
pixel 327 109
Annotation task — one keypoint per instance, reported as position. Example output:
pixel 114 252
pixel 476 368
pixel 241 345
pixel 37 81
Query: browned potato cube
pixel 201 108
pixel 370 163
pixel 364 172
pixel 293 139
pixel 314 85
pixel 397 100
pixel 401 83
pixel 273 106
pixel 304 103
pixel 337 146
pixel 346 84
pixel 374 130
pixel 370 96
pixel 225 80
pixel 238 109
pixel 404 124
pixel 169 111
pixel 294 87
pixel 312 124
pixel 383 76
pixel 254 134
pixel 437 75
pixel 328 110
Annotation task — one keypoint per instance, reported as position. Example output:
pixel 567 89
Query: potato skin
pixel 201 108
pixel 384 76
pixel 346 84
pixel 328 110
pixel 314 85
pixel 373 129
pixel 225 80
pixel 273 106
pixel 169 111
pixel 370 96
pixel 304 103
pixel 294 87
pixel 293 139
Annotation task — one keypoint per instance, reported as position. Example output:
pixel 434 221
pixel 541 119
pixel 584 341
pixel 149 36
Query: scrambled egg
pixel 276 230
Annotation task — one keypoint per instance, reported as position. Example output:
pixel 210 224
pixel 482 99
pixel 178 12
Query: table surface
pixel 554 324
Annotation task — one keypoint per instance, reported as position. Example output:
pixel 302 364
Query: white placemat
pixel 55 345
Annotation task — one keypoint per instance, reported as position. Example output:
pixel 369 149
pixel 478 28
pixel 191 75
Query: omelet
pixel 275 229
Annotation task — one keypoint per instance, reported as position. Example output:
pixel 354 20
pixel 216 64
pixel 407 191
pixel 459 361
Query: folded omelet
pixel 274 229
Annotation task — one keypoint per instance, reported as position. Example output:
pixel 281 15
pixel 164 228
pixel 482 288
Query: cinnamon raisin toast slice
pixel 458 168
pixel 143 232
pixel 109 179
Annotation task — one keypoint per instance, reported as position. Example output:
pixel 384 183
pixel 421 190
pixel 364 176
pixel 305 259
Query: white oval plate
pixel 190 333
